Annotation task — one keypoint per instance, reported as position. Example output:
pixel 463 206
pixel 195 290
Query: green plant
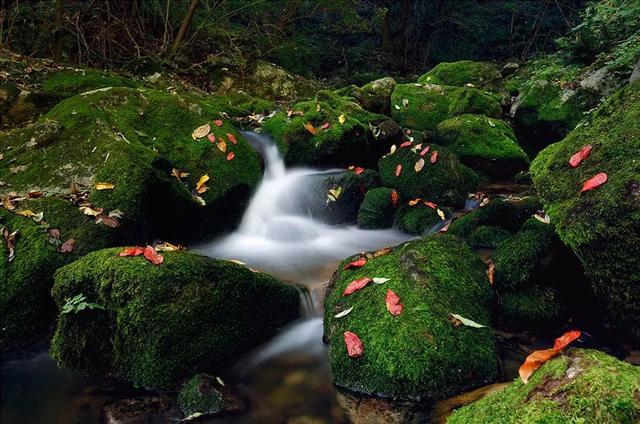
pixel 78 303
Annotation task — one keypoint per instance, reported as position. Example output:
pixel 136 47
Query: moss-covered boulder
pixel 483 144
pixel 201 395
pixel 161 324
pixel 419 218
pixel 462 73
pixel 579 386
pixel 443 181
pixel 601 226
pixel 374 96
pixel 377 209
pixel 424 106
pixel 26 307
pixel 412 355
pixel 488 236
pixel 535 307
pixel 134 139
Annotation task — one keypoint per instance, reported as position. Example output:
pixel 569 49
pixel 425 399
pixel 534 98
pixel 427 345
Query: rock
pixel 535 307
pixel 581 384
pixel 161 324
pixel 635 74
pixel 601 226
pixel 509 68
pixel 142 410
pixel 374 96
pixel 424 106
pixel 465 73
pixel 483 144
pixel 439 182
pixel 600 82
pixel 203 394
pixel 133 138
pixel 418 219
pixel 488 237
pixel 412 355
pixel 377 209
pixel 273 82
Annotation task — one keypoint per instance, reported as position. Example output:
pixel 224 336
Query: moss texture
pixel 601 226
pixel 481 74
pixel 486 236
pixel 411 355
pixel 418 219
pixel 133 138
pixel 200 395
pixel 483 143
pixel 164 323
pixel 377 209
pixel 374 96
pixel 535 307
pixel 424 106
pixel 581 386
pixel 439 182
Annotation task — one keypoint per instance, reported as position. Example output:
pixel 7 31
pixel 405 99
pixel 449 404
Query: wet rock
pixel 374 96
pixel 465 73
pixel 143 410
pixel 205 395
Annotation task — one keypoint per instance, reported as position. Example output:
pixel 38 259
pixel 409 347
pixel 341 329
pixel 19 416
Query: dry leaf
pixel 107 220
pixel 218 122
pixel 231 155
pixel 325 126
pixel 201 131
pixel 382 252
pixel 431 205
pixel 395 198
pixel 356 285
pixel 200 186
pixel 539 357
pixel 310 128
pixel 68 246
pixel 87 209
pixel 10 241
pixel 491 270
pixel 393 303
pixel 222 145
pixel 342 119
pixel 355 349
pixel 392 150
pixel 595 181
pixel 405 144
pixel 232 138
pixel 579 156
pixel 178 173
pixel 356 264
pixel 434 157
pixel 380 280
pixel 211 137
pixel 152 256
pixel 104 186
pixel 343 313
pixel 414 202
pixel 419 165
pixel 398 170
pixel 457 320
pixel 425 151
pixel 168 247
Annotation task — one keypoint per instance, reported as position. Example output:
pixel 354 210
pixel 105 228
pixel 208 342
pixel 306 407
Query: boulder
pixel 419 218
pixel 483 144
pixel 157 325
pixel 205 395
pixel 412 355
pixel 374 96
pixel 533 308
pixel 377 209
pixel 581 385
pixel 602 226
pixel 465 73
pixel 488 236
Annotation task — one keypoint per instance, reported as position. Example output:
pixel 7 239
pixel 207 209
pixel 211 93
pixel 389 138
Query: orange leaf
pixel 398 170
pixel 393 303
pixel 231 155
pixel 152 256
pixel 414 202
pixel 218 122
pixel 222 145
pixel 539 357
pixel 309 127
pixel 564 340
pixel 356 285
pixel 355 349
pixel 395 198
pixel 434 157
pixel 431 205
pixel 356 264
pixel 595 181
pixel 579 156
pixel 232 138
pixel 491 272
pixel 132 251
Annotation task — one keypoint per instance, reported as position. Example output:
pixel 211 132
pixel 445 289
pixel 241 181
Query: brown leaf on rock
pixel 10 241
pixel 68 246
pixel 310 128
pixel 539 357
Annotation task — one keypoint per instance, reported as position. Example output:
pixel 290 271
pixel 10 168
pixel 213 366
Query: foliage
pixel 78 303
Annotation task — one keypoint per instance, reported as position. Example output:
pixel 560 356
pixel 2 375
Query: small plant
pixel 78 303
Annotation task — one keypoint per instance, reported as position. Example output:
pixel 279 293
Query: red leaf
pixel 325 125
pixel 395 198
pixel 355 349
pixel 68 246
pixel 393 303
pixel 132 251
pixel 356 285
pixel 595 181
pixel 232 138
pixel 211 137
pixel 398 170
pixel 539 357
pixel 218 122
pixel 406 144
pixel 231 155
pixel 564 340
pixel 491 272
pixel 358 170
pixel 152 256
pixel 445 228
pixel 431 205
pixel 434 157
pixel 424 151
pixel 579 156
pixel 356 264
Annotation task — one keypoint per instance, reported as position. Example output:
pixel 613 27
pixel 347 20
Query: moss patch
pixel 485 236
pixel 481 74
pixel 533 307
pixel 417 219
pixel 377 209
pixel 200 395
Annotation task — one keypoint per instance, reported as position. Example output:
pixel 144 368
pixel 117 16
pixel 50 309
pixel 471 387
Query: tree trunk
pixel 184 26
pixel 58 6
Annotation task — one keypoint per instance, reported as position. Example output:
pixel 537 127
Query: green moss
pixel 581 386
pixel 164 323
pixel 481 74
pixel 482 143
pixel 411 355
pixel 376 210
pixel 520 260
pixel 239 104
pixel 485 236
pixel 68 82
pixel 534 307
pixel 601 226
pixel 417 219
pixel 439 182
pixel 424 106
pixel 200 395
pixel 374 96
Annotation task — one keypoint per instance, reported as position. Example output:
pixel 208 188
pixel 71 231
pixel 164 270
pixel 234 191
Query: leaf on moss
pixel 491 270
pixel 342 119
pixel 200 185
pixel 10 241
pixel 382 252
pixel 395 197
pixel 211 137
pixel 393 303
pixel 414 202
pixel 310 128
pixel 232 138
pixel 398 169
pixel 201 131
pixel 419 165
pixel 231 155
pixel 380 280
pixel 222 145
pixel 356 264
pixel 458 320
pixel 594 182
pixel 355 348
pixel 431 205
pixel 334 194
pixel 68 246
pixel 356 285
pixel 152 256
pixel 325 126
pixel 343 313
pixel 405 144
pixel 440 214
pixel 105 186
pixel 178 173
pixel 218 122
pixel 539 357
pixel 434 157
pixel 580 155
pixel 131 251
pixel 425 151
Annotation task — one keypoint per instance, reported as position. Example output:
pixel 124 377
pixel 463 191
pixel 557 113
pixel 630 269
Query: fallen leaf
pixel 201 131
pixel 358 170
pixel 178 173
pixel 89 210
pixel 68 246
pixel 168 247
pixel 10 241
pixel 395 198
pixel 580 155
pixel 309 127
pixel 380 280
pixel 218 122
pixel 393 149
pixel 26 212
pixel 419 165
pixel 356 264
pixel 459 319
pixel 434 157
pixel 199 200
pixel 7 203
pixel 105 186
pixel 334 193
pixel 54 233
pixel 405 144
pixel 325 125
pixel 318 107
pixel 231 155
pixel 342 119
pixel 222 145
pixel 382 252
pixel 211 137
pixel 398 169
pixel 491 272
pixel 152 256
pixel 131 251
pixel 356 285
pixel 414 202
pixel 232 138
pixel 595 181
pixel 116 213
pixel 393 303
pixel 425 151
pixel 107 220
pixel 543 217
pixel 405 102
pixel 35 194
pixel 484 202
pixel 343 313
pixel 431 205
pixel 445 228
pixel 539 357
pixel 440 214
pixel 200 185
pixel 355 349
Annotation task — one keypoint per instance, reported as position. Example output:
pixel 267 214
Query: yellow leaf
pixel 393 149
pixel 200 187
pixel 414 202
pixel 317 107
pixel 178 173
pixel 334 193
pixel 309 127
pixel 105 186
pixel 222 145
pixel 168 247
pixel 201 131
pixel 441 214
pixel 342 119
pixel 88 210
pixel 419 165
pixel 27 212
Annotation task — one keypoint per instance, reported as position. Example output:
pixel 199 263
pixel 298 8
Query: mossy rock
pixel 534 307
pixel 480 74
pixel 489 237
pixel 424 106
pixel 377 209
pixel 507 214
pixel 522 259
pixel 133 138
pixel 439 182
pixel 418 219
pixel 411 355
pixel 26 306
pixel 601 226
pixel 201 395
pixel 374 96
pixel 581 385
pixel 483 144
pixel 164 323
